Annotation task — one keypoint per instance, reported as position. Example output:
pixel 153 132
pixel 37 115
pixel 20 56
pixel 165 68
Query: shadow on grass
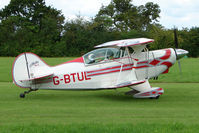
pixel 107 95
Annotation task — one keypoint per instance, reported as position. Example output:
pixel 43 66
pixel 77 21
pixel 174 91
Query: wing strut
pixel 132 76
pixel 146 50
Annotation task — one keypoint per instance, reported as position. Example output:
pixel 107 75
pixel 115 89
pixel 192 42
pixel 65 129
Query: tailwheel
pixel 22 95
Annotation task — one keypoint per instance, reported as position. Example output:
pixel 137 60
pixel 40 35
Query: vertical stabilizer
pixel 26 67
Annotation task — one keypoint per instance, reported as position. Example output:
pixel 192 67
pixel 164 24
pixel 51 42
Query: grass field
pixel 102 111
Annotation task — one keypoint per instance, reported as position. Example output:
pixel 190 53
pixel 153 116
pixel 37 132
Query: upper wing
pixel 126 42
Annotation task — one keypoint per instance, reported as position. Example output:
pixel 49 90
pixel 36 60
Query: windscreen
pixel 102 55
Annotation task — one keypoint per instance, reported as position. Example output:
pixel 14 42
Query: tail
pixel 28 67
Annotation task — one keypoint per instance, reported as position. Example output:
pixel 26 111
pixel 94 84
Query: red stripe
pixel 153 92
pixel 159 89
pixel 166 71
pixel 167 54
pixel 154 62
pixel 117 70
pixel 78 60
pixel 109 72
pixel 145 94
pixel 103 73
pixel 109 68
pixel 168 64
pixel 104 69
pixel 142 62
pixel 141 67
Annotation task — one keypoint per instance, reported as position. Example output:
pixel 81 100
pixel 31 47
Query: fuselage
pixel 78 74
pixel 114 64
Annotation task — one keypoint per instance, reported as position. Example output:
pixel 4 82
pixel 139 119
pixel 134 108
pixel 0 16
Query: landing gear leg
pixel 22 95
pixel 157 97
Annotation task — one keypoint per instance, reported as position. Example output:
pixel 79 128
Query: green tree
pixel 80 36
pixel 30 25
pixel 190 40
pixel 148 14
pixel 122 15
pixel 164 38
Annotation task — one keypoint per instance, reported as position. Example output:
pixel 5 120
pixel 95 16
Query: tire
pixel 22 95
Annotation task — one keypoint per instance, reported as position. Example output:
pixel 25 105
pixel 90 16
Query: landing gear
pixel 157 97
pixel 22 95
pixel 155 78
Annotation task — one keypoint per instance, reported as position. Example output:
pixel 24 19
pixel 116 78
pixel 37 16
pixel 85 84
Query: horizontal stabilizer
pixel 38 78
pixel 38 72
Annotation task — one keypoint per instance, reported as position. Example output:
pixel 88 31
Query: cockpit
pixel 102 55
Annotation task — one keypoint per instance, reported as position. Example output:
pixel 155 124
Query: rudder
pixel 23 68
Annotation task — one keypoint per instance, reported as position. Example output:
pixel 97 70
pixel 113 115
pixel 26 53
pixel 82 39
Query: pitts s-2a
pixel 115 64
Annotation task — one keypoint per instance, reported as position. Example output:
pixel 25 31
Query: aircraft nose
pixel 181 53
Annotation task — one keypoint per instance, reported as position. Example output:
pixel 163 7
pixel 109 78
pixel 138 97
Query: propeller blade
pixel 176 46
pixel 176 38
pixel 179 65
pixel 178 52
pixel 175 41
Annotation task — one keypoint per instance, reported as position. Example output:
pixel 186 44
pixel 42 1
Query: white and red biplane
pixel 115 64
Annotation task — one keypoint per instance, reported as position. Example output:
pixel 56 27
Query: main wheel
pixel 157 97
pixel 22 95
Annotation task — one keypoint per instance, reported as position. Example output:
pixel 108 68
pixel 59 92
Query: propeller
pixel 176 47
pixel 179 52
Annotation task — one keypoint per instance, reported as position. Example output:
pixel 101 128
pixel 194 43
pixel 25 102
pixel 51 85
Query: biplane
pixel 114 64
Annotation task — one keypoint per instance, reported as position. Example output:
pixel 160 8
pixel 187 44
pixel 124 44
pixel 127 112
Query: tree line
pixel 32 26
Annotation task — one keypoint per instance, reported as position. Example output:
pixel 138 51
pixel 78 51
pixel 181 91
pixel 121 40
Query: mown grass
pixel 101 111
pixel 175 111
pixel 101 128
